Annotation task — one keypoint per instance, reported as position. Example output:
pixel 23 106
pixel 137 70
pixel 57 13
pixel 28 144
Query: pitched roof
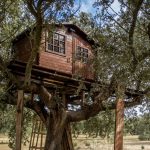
pixel 80 32
pixel 71 27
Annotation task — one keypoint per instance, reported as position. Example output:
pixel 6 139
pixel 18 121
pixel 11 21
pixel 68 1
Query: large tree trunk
pixel 58 132
pixel 67 138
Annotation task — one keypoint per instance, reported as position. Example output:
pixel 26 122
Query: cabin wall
pixel 65 63
pixel 83 70
pixel 57 61
pixel 22 49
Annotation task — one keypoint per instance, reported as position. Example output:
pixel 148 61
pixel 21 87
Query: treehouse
pixel 64 60
pixel 65 51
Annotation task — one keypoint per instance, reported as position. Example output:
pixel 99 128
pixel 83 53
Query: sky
pixel 86 6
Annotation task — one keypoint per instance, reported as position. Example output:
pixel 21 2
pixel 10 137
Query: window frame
pixel 82 54
pixel 53 39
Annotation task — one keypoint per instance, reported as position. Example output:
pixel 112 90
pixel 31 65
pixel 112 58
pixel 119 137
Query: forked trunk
pixel 58 133
pixel 66 142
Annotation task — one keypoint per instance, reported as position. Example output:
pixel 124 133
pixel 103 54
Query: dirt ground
pixel 82 143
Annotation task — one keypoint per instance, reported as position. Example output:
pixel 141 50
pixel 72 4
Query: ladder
pixel 38 135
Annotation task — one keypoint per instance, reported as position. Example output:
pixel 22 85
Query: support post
pixel 64 98
pixel 19 119
pixel 119 125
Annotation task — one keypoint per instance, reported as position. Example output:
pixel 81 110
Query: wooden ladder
pixel 38 135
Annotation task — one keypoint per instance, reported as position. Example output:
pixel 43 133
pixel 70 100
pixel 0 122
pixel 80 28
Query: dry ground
pixel 82 143
pixel 130 143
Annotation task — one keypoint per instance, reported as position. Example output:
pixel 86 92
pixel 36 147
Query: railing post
pixel 19 119
pixel 119 125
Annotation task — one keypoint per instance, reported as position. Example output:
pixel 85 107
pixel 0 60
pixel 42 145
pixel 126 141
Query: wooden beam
pixel 118 140
pixel 19 119
pixel 64 100
pixel 83 98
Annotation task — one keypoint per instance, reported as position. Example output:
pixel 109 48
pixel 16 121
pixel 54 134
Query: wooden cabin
pixel 65 49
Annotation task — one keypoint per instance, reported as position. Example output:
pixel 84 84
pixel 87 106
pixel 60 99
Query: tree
pixel 127 57
pixel 121 64
pixel 122 54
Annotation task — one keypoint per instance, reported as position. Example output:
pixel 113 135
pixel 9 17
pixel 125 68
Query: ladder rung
pixel 37 136
pixel 37 147
pixel 39 133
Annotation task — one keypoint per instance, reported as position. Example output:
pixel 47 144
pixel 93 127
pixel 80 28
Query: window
pixel 56 43
pixel 82 54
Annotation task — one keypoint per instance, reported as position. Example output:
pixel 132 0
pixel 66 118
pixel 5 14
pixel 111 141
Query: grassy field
pixel 83 143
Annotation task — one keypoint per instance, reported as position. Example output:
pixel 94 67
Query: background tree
pixel 123 36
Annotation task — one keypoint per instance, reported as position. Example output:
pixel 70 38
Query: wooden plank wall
pixel 65 63
pixel 59 62
pixel 56 61
pixel 23 49
pixel 84 69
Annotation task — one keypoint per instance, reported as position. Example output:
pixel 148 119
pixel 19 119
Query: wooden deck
pixel 49 76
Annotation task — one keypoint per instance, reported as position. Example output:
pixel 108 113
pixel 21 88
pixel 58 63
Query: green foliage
pixel 101 125
pixel 26 130
pixel 144 137
pixel 138 125
pixel 114 57
pixel 8 124
pixel 12 23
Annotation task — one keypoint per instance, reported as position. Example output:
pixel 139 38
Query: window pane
pixel 62 50
pixel 78 56
pixel 56 42
pixel 61 38
pixel 82 54
pixel 86 55
pixel 50 47
pixel 84 60
pixel 79 48
pixel 82 49
pixel 85 50
pixel 56 49
pixel 62 44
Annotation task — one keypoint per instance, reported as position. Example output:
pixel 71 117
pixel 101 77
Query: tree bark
pixel 58 132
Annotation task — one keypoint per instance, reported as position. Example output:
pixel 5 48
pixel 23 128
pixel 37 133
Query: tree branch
pixel 35 106
pixel 31 7
pixel 131 31
pixel 90 110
